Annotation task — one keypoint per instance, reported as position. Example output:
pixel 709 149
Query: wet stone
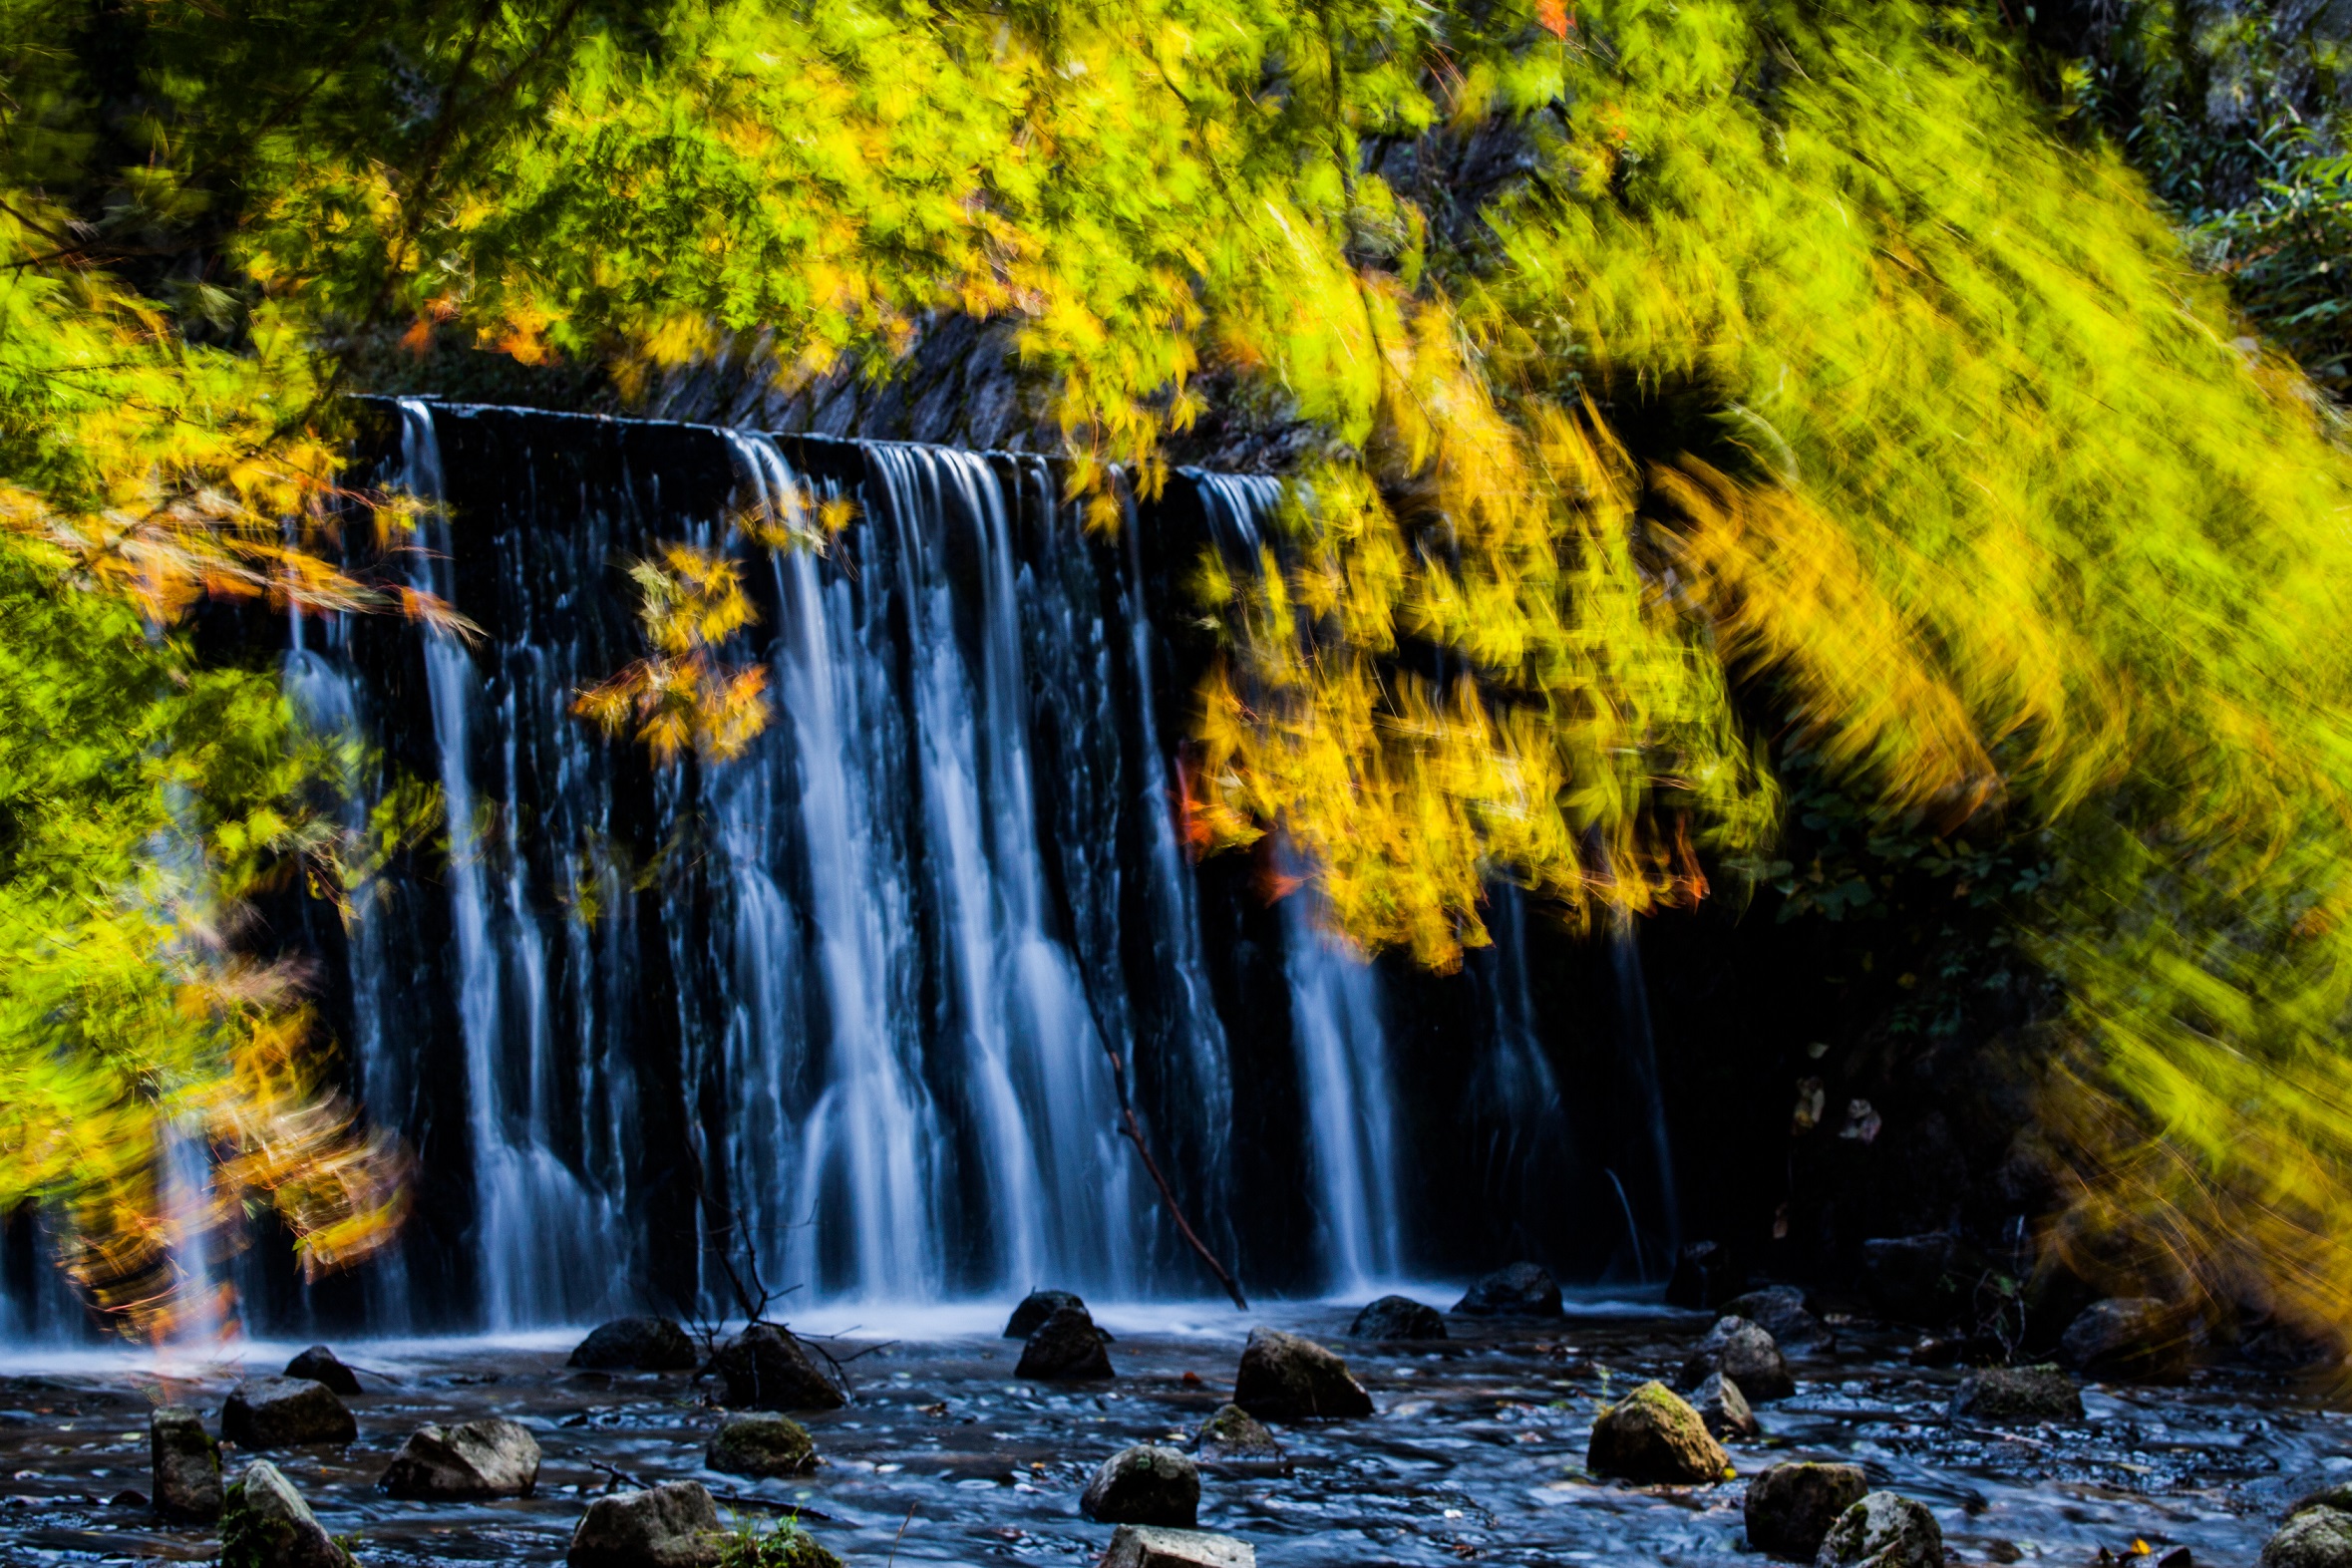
pixel 1283 1378
pixel 1398 1318
pixel 1883 1530
pixel 281 1412
pixel 1704 1279
pixel 1146 1546
pixel 1651 1436
pixel 1145 1485
pixel 1067 1347
pixel 762 1444
pixel 1724 1407
pixel 765 1369
pixel 1524 1290
pixel 2128 1338
pixel 1745 1354
pixel 187 1465
pixel 670 1527
pixel 2018 1393
pixel 1235 1437
pixel 2313 1538
pixel 264 1523
pixel 1791 1507
pixel 1779 1310
pixel 1034 1308
pixel 320 1365
pixel 639 1343
pixel 480 1458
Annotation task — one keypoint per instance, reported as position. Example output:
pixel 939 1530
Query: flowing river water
pixel 1475 1453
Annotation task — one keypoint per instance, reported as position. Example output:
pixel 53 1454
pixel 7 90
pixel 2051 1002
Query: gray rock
pixel 320 1365
pixel 670 1527
pixel 1778 1310
pixel 1034 1308
pixel 762 1442
pixel 1524 1290
pixel 1235 1437
pixel 1910 1278
pixel 2018 1393
pixel 765 1369
pixel 1791 1507
pixel 187 1465
pixel 1066 1347
pixel 1724 1407
pixel 492 1457
pixel 1145 1485
pixel 2127 1338
pixel 280 1412
pixel 1703 1277
pixel 639 1343
pixel 1883 1531
pixel 2313 1538
pixel 1283 1378
pixel 264 1523
pixel 1398 1318
pixel 1652 1436
pixel 1745 1354
pixel 1149 1546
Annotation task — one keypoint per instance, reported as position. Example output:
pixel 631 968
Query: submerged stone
pixel 1745 1354
pixel 281 1412
pixel 1145 1485
pixel 639 1343
pixel 264 1523
pixel 1398 1318
pixel 320 1365
pixel 675 1526
pixel 765 1369
pixel 492 1457
pixel 762 1444
pixel 1883 1530
pixel 1790 1507
pixel 2018 1393
pixel 1283 1378
pixel 1651 1436
pixel 1067 1347
pixel 1034 1308
pixel 187 1465
pixel 1152 1546
pixel 1523 1290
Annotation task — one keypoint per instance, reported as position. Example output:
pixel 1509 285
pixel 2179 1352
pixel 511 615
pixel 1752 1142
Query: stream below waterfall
pixel 1475 1451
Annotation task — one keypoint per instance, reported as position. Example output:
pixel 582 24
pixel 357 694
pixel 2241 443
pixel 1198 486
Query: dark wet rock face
pixel 1235 1437
pixel 1283 1378
pixel 1066 1347
pixel 2126 1339
pixel 1704 1278
pixel 1034 1308
pixel 282 1413
pixel 1145 1485
pixel 320 1365
pixel 1745 1354
pixel 636 1344
pixel 1147 1546
pixel 1524 1290
pixel 1651 1436
pixel 762 1444
pixel 1779 1310
pixel 187 1465
pixel 264 1523
pixel 2313 1538
pixel 1883 1531
pixel 765 1369
pixel 1724 1407
pixel 670 1527
pixel 1791 1507
pixel 2018 1393
pixel 484 1458
pixel 1908 1278
pixel 1398 1318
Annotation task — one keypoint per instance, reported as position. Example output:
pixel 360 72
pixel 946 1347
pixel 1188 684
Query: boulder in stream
pixel 264 1523
pixel 2313 1538
pixel 1145 1485
pixel 1745 1354
pixel 280 1412
pixel 1524 1290
pixel 492 1457
pixel 636 1344
pixel 1283 1378
pixel 320 1365
pixel 1066 1347
pixel 1398 1318
pixel 1791 1507
pixel 2128 1338
pixel 1724 1407
pixel 1034 1308
pixel 1152 1546
pixel 1705 1277
pixel 1235 1437
pixel 1779 1310
pixel 1651 1436
pixel 1884 1530
pixel 187 1465
pixel 675 1526
pixel 2018 1393
pixel 761 1444
pixel 765 1369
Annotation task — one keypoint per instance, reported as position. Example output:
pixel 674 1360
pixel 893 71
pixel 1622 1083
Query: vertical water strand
pixel 1641 1052
pixel 201 1318
pixel 874 1131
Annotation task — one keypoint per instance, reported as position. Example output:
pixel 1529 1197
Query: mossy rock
pixel 1651 1436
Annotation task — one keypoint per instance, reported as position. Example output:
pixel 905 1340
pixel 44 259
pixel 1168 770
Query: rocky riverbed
pixel 1476 1450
